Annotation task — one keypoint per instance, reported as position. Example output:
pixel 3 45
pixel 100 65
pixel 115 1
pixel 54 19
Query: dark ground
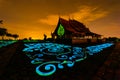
pixel 14 65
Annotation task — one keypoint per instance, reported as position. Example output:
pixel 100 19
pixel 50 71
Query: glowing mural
pixel 53 56
pixel 61 30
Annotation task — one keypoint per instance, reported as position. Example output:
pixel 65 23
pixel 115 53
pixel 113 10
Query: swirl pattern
pixel 51 56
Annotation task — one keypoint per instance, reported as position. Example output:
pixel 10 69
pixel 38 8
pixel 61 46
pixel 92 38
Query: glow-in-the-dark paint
pixel 70 64
pixel 61 30
pixel 5 43
pixel 47 68
pixel 96 49
pixel 50 54
pixel 62 57
pixel 60 66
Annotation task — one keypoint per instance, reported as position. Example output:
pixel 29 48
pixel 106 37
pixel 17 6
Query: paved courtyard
pixel 104 66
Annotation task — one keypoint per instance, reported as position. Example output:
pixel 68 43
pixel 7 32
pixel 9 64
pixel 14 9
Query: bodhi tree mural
pixel 60 31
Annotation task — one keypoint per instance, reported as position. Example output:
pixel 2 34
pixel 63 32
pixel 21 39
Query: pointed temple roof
pixel 74 27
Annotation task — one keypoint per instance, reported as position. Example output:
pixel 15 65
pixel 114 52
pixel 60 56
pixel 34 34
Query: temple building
pixel 74 30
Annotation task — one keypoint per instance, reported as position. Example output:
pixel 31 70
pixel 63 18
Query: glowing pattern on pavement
pixel 5 43
pixel 53 56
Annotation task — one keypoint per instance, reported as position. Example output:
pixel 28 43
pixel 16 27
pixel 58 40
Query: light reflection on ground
pixel 52 55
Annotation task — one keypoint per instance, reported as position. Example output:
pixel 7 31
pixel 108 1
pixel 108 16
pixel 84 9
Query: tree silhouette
pixel 9 34
pixel 15 36
pixel 3 32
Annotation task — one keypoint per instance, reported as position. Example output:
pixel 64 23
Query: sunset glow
pixel 34 18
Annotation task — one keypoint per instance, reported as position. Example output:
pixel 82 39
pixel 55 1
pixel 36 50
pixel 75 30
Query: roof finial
pixel 69 17
pixel 72 17
pixel 59 15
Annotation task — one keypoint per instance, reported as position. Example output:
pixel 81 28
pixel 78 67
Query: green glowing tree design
pixel 60 31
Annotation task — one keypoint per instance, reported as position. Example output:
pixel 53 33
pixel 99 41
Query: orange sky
pixel 33 18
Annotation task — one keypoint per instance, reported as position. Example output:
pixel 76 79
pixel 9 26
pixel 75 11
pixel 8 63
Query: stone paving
pixel 6 54
pixel 110 70
pixel 105 66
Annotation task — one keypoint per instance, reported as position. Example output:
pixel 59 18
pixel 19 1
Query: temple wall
pixel 78 41
pixel 93 40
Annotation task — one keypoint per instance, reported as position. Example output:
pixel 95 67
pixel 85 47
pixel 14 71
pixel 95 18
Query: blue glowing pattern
pixel 98 48
pixel 5 43
pixel 50 56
